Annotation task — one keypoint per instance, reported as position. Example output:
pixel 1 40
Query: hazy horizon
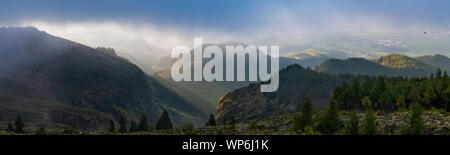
pixel 155 27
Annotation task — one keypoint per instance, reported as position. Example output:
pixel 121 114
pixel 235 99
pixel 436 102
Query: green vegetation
pixel 133 127
pixel 416 124
pixel 353 124
pixel 10 128
pixel 304 119
pixel 369 126
pixel 232 123
pixel 71 130
pixel 400 61
pixel 437 61
pixel 253 125
pixel 189 129
pixel 211 121
pixel 330 122
pixel 296 82
pixel 143 124
pixel 41 130
pixel 393 65
pixel 73 83
pixel 123 124
pixel 392 94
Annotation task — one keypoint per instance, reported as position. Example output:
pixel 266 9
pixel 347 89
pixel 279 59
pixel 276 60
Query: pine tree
pixel 380 89
pixel 417 125
pixel 133 127
pixel 143 124
pixel 353 125
pixel 164 121
pixel 401 103
pixel 211 121
pixel 330 122
pixel 305 117
pixel 307 112
pixel 112 126
pixel 123 125
pixel 369 126
pixel 10 128
pixel 19 125
pixel 355 95
pixel 232 123
pixel 41 130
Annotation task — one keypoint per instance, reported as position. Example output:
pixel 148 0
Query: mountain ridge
pixel 389 65
pixel 61 79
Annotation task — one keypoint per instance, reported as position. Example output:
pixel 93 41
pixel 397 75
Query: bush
pixel 253 125
pixel 188 129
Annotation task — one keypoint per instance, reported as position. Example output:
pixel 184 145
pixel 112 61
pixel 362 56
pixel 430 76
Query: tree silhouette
pixel 164 121
pixel 19 125
pixel 123 125
pixel 417 125
pixel 133 127
pixel 211 121
pixel 304 119
pixel 112 126
pixel 369 126
pixel 143 124
pixel 353 124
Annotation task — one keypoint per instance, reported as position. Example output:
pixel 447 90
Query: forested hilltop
pixel 371 95
pixel 392 65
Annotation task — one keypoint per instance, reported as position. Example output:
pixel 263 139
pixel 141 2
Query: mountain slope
pixel 391 65
pixel 401 61
pixel 295 82
pixel 57 82
pixel 437 61
pixel 206 94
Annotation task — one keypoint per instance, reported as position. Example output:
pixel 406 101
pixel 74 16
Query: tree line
pixel 311 122
pixel 396 93
pixel 164 122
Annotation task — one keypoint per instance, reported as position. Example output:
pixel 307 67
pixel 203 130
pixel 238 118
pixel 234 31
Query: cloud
pixel 157 26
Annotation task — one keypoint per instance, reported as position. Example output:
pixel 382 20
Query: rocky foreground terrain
pixel 437 122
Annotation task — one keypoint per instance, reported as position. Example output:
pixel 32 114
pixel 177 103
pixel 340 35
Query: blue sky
pixel 222 14
pixel 138 25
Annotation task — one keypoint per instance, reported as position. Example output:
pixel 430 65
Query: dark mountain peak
pixel 107 50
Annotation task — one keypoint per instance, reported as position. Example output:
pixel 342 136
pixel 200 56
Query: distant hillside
pixel 57 82
pixel 401 61
pixel 437 61
pixel 206 94
pixel 295 82
pixel 317 53
pixel 391 65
